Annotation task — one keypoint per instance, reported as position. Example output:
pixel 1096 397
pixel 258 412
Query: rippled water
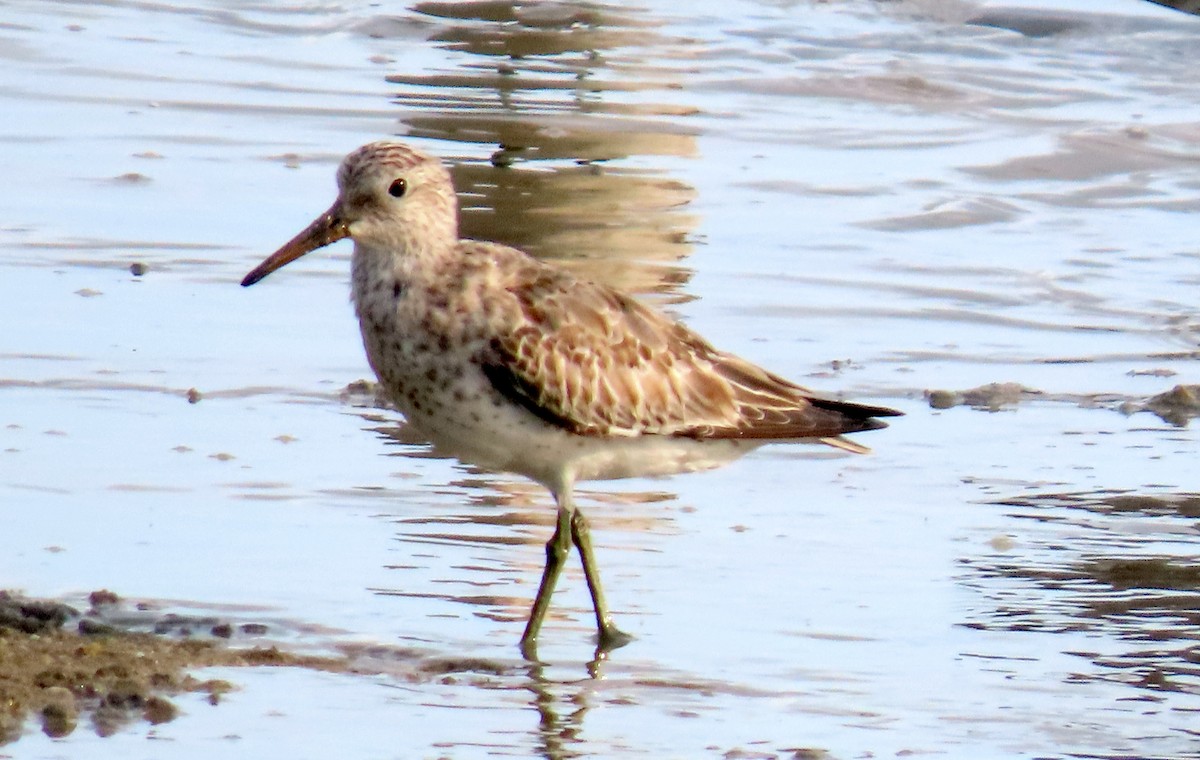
pixel 882 199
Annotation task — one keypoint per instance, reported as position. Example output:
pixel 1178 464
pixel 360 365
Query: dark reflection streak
pixel 559 729
pixel 1093 565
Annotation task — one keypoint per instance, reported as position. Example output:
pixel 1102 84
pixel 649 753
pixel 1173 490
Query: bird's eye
pixel 398 188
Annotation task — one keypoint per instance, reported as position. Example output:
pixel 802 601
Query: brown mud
pixel 62 667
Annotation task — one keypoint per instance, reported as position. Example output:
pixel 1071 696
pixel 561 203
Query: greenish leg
pixel 557 549
pixel 610 637
pixel 571 528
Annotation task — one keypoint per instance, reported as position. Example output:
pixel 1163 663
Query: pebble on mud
pixel 90 627
pixel 102 597
pixel 1177 405
pixel 290 160
pixel 159 710
pixel 131 178
pixel 1002 543
pixel 991 397
pixel 60 714
pixel 367 391
pixel 942 399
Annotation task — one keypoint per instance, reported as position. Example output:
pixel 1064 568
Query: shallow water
pixel 878 199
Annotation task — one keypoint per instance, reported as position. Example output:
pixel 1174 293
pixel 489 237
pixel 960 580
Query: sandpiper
pixel 517 365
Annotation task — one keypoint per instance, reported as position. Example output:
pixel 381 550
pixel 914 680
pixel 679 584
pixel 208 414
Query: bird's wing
pixel 597 362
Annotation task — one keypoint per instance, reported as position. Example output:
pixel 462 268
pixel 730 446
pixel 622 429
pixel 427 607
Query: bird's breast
pixel 423 344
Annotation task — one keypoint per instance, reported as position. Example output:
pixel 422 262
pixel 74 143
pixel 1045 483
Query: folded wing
pixel 597 362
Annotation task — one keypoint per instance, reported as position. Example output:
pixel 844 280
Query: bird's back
pixel 596 362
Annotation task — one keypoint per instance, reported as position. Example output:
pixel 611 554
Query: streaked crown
pixel 381 157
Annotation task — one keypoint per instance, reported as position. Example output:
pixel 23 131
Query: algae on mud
pixel 102 669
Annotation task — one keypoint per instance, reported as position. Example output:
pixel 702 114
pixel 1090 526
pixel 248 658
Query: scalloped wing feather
pixel 597 362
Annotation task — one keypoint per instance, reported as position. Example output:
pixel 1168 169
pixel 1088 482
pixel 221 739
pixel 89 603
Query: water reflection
pixel 497 513
pixel 553 93
pixel 560 718
pixel 1117 565
pixel 623 228
pixel 542 57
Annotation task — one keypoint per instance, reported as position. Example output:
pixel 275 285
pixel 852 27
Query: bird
pixel 516 364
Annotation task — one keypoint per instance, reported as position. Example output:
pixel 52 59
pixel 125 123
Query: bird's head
pixel 391 197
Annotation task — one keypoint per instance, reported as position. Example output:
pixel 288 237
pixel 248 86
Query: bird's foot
pixel 609 638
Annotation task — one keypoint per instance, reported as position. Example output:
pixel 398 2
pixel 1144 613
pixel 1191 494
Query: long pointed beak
pixel 325 229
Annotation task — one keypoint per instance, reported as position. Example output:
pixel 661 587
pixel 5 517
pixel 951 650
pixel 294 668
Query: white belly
pixel 486 430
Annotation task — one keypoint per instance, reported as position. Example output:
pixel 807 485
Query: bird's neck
pixel 386 272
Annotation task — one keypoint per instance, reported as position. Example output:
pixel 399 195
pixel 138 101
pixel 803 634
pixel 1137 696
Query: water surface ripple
pixel 978 212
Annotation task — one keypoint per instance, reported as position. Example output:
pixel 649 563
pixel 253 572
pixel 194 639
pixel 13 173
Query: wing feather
pixel 595 361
